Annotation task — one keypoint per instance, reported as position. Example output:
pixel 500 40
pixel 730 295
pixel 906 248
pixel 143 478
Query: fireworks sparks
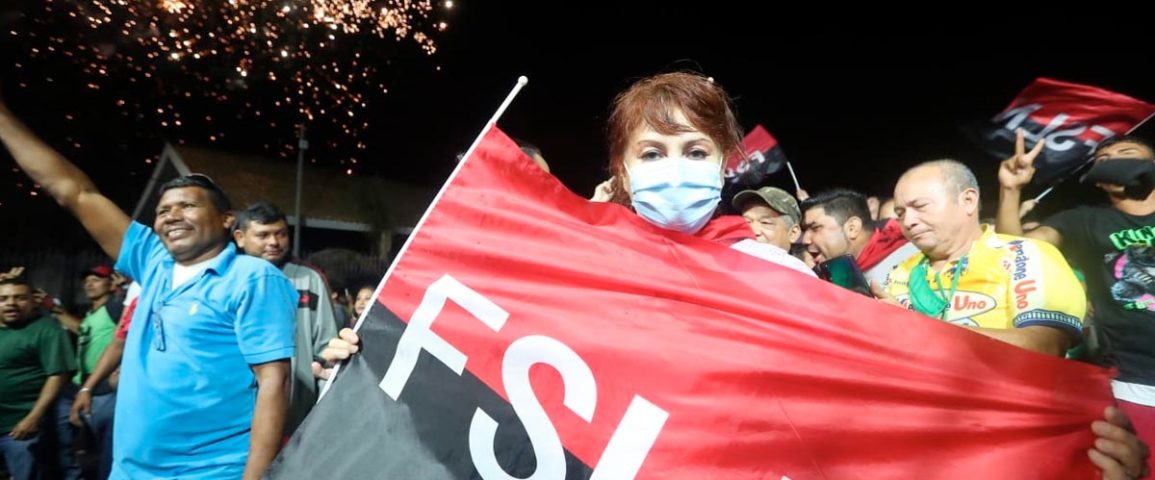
pixel 318 61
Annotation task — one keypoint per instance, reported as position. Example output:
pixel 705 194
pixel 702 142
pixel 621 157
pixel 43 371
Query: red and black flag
pixel 525 332
pixel 761 156
pixel 1071 118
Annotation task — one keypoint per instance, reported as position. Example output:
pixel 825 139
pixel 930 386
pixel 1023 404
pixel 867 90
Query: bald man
pixel 1014 289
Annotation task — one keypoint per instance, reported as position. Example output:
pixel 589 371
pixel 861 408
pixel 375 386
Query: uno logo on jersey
pixel 1022 289
pixel 970 304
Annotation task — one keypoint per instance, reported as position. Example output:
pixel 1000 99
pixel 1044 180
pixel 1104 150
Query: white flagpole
pixel 521 82
pixel 1045 193
pixel 793 176
pixel 1061 180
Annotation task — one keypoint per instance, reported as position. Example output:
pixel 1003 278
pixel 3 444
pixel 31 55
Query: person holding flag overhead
pixel 1112 244
pixel 1070 120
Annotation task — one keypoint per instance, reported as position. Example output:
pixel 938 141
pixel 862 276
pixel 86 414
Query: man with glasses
pixel 205 367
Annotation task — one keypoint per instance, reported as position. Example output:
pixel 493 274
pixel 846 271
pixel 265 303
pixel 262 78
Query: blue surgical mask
pixel 676 193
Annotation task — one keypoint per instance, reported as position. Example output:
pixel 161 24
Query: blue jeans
pixel 21 456
pixel 100 422
pixel 66 464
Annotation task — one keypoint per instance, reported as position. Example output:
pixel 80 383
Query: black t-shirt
pixel 1114 250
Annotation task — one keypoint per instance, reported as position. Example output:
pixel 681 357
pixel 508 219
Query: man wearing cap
pixel 1112 245
pixel 772 213
pixel 773 216
pixel 105 373
pixel 204 375
pixel 93 337
pixel 837 222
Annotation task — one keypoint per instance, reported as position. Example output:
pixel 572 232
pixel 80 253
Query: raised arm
pixel 69 186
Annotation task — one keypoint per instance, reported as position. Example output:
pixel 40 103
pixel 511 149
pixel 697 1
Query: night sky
pixel 853 100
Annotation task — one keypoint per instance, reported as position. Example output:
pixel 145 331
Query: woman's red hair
pixel 652 102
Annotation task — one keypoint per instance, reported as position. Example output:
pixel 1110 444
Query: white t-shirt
pixel 1134 393
pixel 182 273
pixel 772 254
pixel 134 290
pixel 878 273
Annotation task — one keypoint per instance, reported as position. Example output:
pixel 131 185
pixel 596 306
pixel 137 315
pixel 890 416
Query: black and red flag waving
pixel 526 332
pixel 1071 118
pixel 760 157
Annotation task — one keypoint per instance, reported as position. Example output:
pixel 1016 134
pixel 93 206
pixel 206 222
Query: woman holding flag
pixel 668 137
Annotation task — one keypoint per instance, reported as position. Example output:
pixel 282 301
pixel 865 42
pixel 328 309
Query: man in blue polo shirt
pixel 203 386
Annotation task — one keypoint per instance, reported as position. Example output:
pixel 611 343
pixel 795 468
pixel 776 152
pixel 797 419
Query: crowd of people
pixel 205 342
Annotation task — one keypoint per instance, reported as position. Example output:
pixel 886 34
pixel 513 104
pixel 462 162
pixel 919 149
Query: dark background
pixel 853 99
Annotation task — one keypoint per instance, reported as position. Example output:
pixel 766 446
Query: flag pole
pixel 1072 173
pixel 1084 164
pixel 521 82
pixel 302 145
pixel 793 176
pixel 1045 193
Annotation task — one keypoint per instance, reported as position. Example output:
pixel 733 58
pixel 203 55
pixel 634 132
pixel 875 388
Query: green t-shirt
pixel 96 331
pixel 29 354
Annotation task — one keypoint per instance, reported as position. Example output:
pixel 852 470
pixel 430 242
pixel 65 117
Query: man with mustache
pixel 263 231
pixel 1013 289
pixel 1017 290
pixel 836 222
pixel 202 392
pixel 35 360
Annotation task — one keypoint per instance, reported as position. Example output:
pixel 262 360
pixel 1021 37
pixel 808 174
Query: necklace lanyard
pixel 934 302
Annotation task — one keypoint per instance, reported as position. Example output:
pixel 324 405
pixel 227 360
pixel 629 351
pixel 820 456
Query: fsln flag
pixel 525 332
pixel 1071 118
pixel 760 157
